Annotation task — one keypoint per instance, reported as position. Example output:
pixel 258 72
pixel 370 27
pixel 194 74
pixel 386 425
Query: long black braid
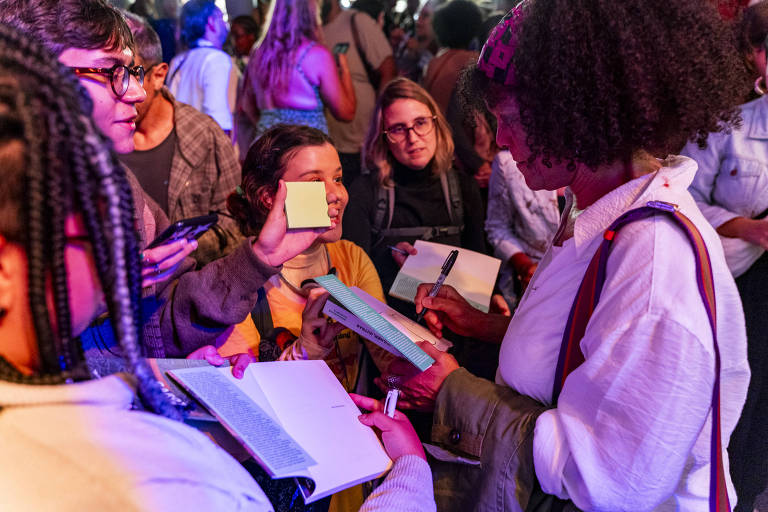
pixel 68 167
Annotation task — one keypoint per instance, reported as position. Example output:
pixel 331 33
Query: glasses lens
pixel 423 125
pixel 139 71
pixel 120 80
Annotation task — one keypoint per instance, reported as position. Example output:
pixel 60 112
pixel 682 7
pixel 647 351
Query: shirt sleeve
pixel 703 185
pixel 216 88
pixel 407 488
pixel 373 41
pixel 498 223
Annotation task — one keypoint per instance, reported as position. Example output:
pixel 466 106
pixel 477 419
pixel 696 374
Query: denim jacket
pixel 732 180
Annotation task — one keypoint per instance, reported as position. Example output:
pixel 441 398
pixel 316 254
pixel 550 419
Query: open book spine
pixel 349 320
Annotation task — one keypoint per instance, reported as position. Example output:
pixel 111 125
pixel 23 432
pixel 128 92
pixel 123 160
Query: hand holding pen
pixel 401 251
pixel 444 271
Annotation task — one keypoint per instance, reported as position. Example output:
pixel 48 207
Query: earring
pixel 758 89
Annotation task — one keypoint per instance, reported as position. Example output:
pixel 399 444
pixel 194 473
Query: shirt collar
pixel 203 43
pixel 675 175
pixel 758 126
pixel 116 391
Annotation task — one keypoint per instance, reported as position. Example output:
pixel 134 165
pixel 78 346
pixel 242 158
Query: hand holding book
pixel 418 390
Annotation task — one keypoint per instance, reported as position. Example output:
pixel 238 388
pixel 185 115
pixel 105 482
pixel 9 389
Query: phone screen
pixel 340 48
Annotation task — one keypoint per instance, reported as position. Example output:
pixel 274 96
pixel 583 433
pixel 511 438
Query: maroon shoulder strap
pixel 589 295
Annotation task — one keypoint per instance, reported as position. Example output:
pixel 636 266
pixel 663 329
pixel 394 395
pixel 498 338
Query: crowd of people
pixel 611 154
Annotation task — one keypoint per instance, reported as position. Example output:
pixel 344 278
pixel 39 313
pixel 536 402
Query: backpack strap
pixel 588 296
pixel 385 208
pixel 261 314
pixel 454 201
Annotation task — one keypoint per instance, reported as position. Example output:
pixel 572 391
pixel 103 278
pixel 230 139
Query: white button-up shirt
pixel 201 77
pixel 631 430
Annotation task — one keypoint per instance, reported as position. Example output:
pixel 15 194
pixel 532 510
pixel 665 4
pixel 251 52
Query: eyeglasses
pixel 119 76
pixel 421 126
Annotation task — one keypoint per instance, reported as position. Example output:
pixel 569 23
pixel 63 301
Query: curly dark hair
pixel 598 80
pixel 263 167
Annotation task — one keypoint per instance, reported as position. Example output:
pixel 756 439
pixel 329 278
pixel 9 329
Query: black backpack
pixel 385 206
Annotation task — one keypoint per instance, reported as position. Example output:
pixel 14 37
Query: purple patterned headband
pixel 496 56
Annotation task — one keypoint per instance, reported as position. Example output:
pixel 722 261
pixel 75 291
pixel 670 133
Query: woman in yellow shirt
pixel 300 153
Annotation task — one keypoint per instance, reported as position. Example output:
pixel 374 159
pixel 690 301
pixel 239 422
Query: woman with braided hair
pixel 67 244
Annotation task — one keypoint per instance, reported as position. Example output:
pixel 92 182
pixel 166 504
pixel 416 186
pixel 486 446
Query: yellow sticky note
pixel 306 206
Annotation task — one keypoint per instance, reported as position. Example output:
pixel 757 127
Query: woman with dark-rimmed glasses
pixel 409 153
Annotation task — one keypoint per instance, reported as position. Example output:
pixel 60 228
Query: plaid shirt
pixel 204 171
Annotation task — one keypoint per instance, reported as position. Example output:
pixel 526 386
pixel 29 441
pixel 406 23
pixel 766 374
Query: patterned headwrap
pixel 496 56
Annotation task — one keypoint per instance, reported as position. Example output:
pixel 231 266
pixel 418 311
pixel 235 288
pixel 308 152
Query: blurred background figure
pixel 413 53
pixel 750 37
pixel 292 77
pixel 244 33
pixel 202 75
pixel 456 25
pixel 731 188
pixel 166 24
pixel 371 65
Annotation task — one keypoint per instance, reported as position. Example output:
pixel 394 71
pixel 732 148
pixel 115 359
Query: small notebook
pixel 306 205
pixel 378 328
pixel 295 419
pixel 473 275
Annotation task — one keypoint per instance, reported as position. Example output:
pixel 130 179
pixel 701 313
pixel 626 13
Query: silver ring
pixel 157 269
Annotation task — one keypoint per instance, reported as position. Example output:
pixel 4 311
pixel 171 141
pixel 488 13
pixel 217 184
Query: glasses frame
pixel 408 129
pixel 137 71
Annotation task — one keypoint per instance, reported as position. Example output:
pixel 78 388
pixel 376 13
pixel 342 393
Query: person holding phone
pixel 183 310
pixel 292 78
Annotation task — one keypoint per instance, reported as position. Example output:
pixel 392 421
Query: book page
pixel 306 205
pixel 473 275
pixel 160 366
pixel 374 320
pixel 415 331
pixel 233 404
pixel 318 413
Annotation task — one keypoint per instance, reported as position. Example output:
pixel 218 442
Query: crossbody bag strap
pixel 369 70
pixel 589 295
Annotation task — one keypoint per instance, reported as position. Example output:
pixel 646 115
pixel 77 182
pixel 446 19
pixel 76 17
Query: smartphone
pixel 340 48
pixel 191 229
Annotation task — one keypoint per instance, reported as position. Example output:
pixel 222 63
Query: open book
pixel 473 275
pixel 295 419
pixel 377 322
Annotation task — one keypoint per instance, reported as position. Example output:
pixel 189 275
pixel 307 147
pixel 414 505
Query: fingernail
pixel 426 301
pixel 194 243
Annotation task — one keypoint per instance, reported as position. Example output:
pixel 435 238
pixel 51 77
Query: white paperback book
pixel 295 419
pixel 473 275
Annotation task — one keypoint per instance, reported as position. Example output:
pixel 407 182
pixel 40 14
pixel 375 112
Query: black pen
pixel 447 266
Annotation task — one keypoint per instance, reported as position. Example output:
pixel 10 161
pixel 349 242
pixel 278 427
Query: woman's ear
pixel 11 268
pixel 265 198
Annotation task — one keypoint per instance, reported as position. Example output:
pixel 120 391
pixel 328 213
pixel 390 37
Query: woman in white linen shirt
pixel 596 103
pixel 731 188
